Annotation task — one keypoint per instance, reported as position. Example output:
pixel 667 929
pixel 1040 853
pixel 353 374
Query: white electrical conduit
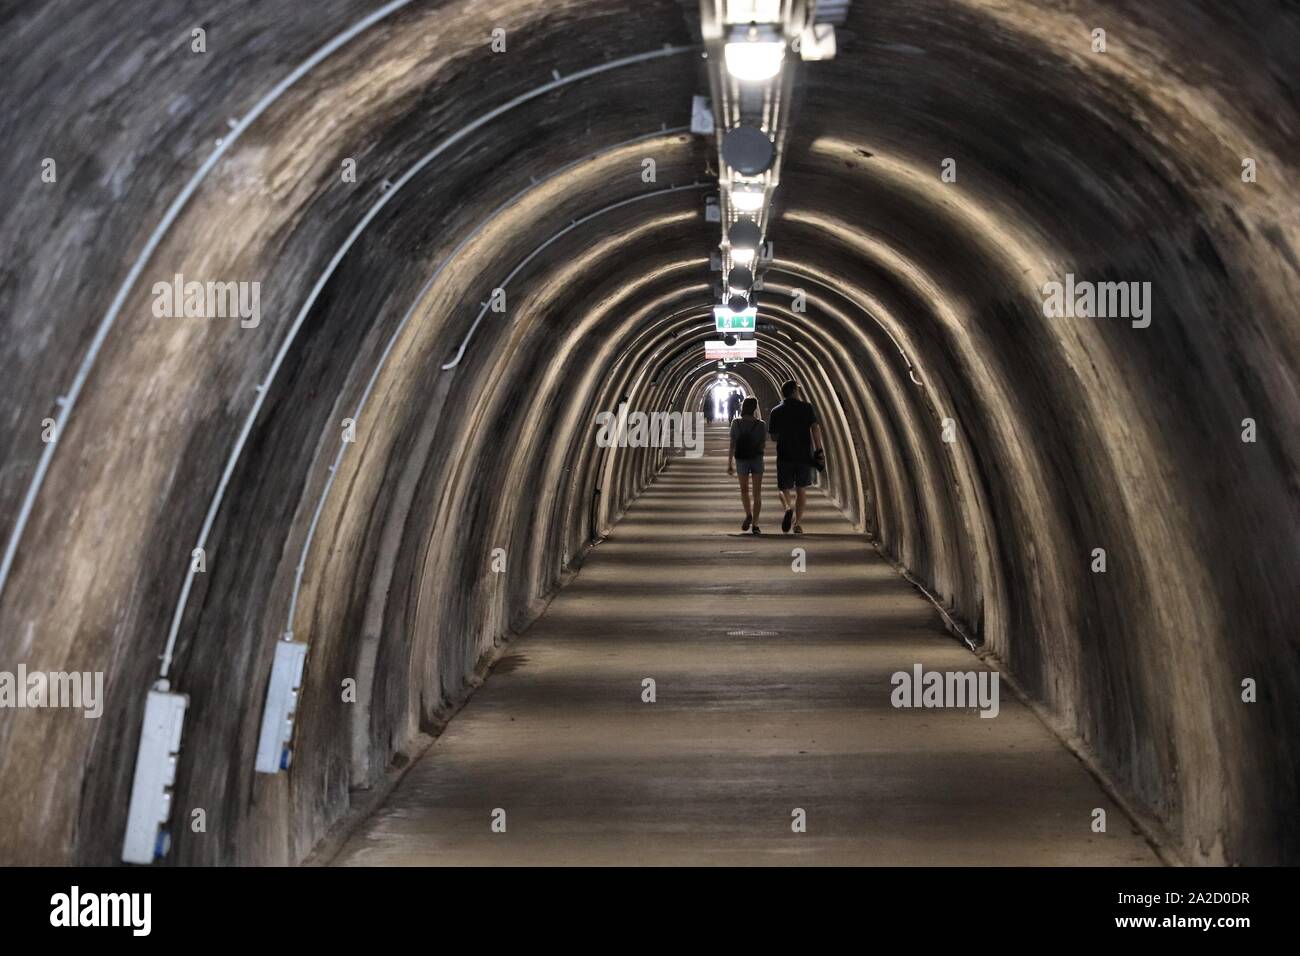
pixel 460 352
pixel 392 342
pixel 68 401
pixel 264 387
pixel 799 274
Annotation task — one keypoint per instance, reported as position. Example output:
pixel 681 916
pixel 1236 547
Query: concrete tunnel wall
pixel 477 170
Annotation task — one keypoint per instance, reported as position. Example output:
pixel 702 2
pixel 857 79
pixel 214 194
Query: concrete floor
pixel 773 693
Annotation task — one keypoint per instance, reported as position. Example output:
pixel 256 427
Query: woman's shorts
pixel 749 466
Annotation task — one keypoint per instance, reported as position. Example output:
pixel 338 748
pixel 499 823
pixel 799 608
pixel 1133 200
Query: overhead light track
pixel 752 48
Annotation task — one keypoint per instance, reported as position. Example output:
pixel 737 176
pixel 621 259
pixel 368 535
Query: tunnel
pixel 454 233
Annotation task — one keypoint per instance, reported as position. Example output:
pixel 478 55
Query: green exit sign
pixel 727 321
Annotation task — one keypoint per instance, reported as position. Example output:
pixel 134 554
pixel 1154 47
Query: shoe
pixel 749 519
pixel 755 530
pixel 787 521
pixel 798 529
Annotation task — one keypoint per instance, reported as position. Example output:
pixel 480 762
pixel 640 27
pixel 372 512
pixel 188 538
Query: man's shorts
pixel 793 474
pixel 749 466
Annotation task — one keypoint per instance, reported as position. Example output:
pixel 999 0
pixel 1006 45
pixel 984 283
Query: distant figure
pixel 733 405
pixel 793 423
pixel 748 442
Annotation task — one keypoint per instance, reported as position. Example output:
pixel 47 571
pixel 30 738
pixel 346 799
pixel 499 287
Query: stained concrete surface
pixel 773 694
pixel 924 306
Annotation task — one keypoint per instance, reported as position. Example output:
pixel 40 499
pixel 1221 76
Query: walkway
pixel 773 693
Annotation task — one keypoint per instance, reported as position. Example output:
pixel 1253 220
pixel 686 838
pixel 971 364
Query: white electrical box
pixel 701 115
pixel 817 42
pixel 147 837
pixel 274 752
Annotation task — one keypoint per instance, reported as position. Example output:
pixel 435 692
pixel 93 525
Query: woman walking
pixel 748 441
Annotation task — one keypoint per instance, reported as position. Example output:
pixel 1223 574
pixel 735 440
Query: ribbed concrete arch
pixel 985 449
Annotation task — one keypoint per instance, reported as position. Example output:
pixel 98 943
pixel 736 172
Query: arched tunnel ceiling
pixel 523 171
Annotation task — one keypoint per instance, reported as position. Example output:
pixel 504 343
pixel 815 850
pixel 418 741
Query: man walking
pixel 794 425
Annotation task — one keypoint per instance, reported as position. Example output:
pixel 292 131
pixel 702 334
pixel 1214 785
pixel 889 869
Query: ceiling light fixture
pixel 744 238
pixel 740 280
pixel 747 198
pixel 754 53
pixel 748 150
pixel 753 11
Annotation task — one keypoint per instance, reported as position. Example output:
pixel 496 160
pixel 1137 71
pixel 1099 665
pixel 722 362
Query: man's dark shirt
pixel 790 423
